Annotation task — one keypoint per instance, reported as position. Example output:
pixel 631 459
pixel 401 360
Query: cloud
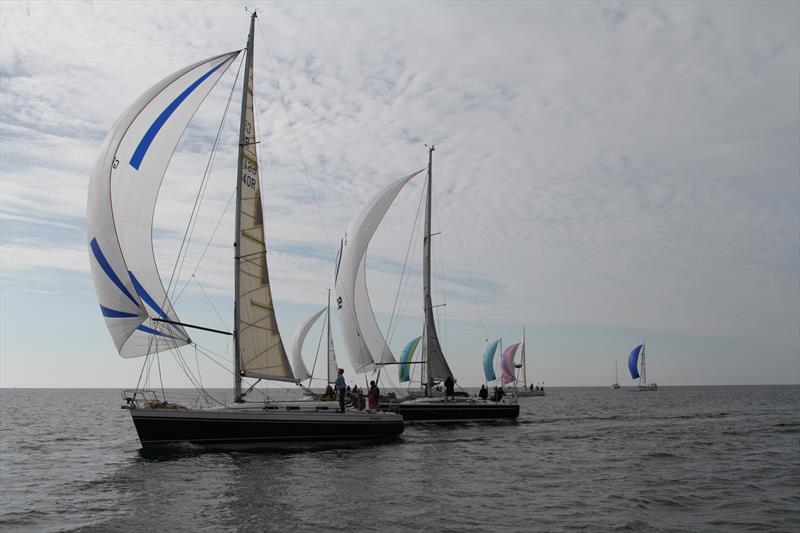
pixel 617 165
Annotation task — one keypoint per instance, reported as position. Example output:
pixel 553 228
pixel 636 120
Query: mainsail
pixel 488 360
pixel 259 349
pixel 436 366
pixel 123 189
pixel 363 339
pixel 633 361
pixel 507 364
pixel 300 370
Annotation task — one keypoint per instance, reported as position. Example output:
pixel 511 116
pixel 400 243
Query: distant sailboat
pixel 635 356
pixel 123 191
pixel 300 370
pixel 527 390
pixel 616 377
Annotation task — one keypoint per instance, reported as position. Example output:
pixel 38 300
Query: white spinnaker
pixel 298 367
pixel 381 353
pixel 363 340
pixel 122 194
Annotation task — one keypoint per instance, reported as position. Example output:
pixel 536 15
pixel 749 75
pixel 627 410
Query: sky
pixel 605 173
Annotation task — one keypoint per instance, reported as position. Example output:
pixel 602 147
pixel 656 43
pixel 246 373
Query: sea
pixel 676 459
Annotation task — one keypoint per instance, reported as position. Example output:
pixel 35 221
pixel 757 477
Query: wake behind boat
pixel 137 309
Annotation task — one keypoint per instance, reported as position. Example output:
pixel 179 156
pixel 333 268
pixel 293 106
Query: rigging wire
pixel 197 363
pixel 193 217
pixel 405 263
pixel 466 267
pixel 296 142
pixel 160 377
pixel 441 277
pixel 208 244
pixel 210 302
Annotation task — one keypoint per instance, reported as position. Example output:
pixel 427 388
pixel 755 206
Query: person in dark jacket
pixel 484 392
pixel 341 388
pixel 449 388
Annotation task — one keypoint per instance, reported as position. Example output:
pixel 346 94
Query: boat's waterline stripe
pixel 104 264
pixel 158 123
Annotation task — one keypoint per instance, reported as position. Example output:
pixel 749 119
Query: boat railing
pixel 135 398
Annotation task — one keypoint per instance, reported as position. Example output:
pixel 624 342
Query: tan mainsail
pixel 260 350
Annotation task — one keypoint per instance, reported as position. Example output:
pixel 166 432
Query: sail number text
pixel 249 173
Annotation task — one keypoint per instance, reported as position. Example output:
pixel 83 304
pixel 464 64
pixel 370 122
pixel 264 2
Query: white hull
pixel 527 392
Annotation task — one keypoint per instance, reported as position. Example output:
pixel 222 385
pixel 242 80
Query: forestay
pixel 123 189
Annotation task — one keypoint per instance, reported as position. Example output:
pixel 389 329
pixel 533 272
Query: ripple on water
pixel 684 458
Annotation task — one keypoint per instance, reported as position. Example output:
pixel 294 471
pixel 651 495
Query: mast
pixel 524 363
pixel 330 340
pixel 243 140
pixel 431 339
pixel 426 273
pixel 644 368
pixel 616 373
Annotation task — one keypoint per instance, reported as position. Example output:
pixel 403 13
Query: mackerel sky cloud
pixel 605 173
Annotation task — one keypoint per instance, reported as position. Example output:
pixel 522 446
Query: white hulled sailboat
pixel 525 389
pixel 365 343
pixel 635 356
pixel 138 313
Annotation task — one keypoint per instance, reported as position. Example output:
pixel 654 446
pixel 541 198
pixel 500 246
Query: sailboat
pixel 527 390
pixel 616 377
pixel 635 356
pixel 135 305
pixel 299 367
pixel 366 345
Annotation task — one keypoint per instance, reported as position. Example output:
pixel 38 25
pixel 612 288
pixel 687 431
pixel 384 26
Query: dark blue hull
pixel 241 429
pixel 445 412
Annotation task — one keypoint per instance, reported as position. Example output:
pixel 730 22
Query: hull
pixel 258 427
pixel 439 411
pixel 650 387
pixel 528 392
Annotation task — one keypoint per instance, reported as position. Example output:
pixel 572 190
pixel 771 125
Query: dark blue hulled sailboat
pixel 136 303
